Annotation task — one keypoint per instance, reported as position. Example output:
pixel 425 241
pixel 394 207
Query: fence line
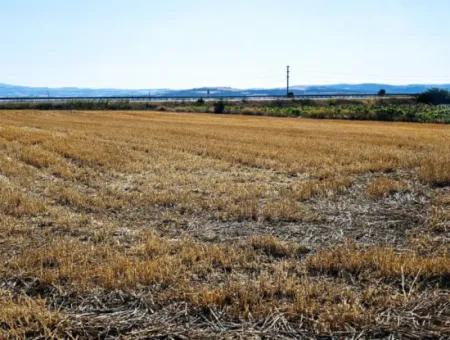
pixel 206 98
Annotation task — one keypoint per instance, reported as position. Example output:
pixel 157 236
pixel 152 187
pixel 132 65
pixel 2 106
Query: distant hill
pixel 23 91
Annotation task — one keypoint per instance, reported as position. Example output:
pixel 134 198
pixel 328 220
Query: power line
pixel 287 80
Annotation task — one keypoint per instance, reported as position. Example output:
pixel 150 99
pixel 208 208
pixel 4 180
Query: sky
pixel 238 43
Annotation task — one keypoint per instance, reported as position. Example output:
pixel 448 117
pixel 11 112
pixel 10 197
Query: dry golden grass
pixel 248 225
pixel 16 203
pixel 436 171
pixel 439 219
pixel 380 262
pixel 272 246
pixel 382 187
pixel 211 275
pixel 22 317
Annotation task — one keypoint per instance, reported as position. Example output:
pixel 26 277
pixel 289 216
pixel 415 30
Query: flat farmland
pixel 146 224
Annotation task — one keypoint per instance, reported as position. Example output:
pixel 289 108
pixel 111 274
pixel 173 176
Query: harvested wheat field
pixel 145 224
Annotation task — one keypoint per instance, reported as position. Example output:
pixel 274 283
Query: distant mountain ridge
pixel 7 90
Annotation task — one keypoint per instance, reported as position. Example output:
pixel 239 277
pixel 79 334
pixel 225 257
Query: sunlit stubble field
pixel 144 224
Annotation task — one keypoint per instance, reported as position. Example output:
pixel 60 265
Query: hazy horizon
pixel 190 44
pixel 282 86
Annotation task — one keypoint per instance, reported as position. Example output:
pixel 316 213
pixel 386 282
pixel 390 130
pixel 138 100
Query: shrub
pixel 384 113
pixel 295 112
pixel 219 107
pixel 435 97
pixel 278 103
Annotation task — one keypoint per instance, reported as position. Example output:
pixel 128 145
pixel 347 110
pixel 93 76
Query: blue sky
pixel 190 43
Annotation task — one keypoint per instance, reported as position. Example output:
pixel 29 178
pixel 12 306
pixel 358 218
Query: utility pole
pixel 287 80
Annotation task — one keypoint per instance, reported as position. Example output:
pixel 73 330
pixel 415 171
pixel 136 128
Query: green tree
pixel 434 96
pixel 382 93
pixel 219 107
